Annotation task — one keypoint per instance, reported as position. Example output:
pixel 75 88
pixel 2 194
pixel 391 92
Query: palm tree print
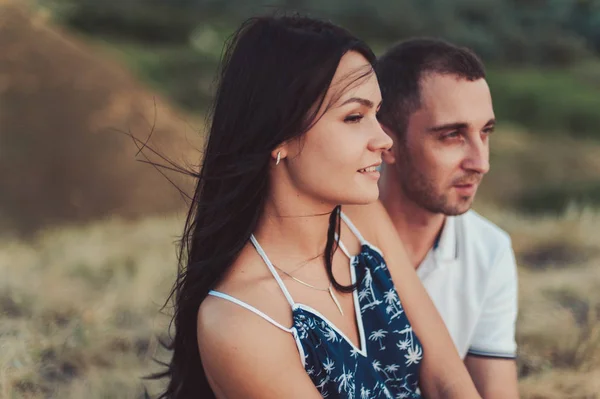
pixel 393 302
pixel 403 345
pixel 378 336
pixel 405 385
pixel 329 365
pixel 382 266
pixel 377 367
pixel 379 370
pixel 380 391
pixel 344 381
pixel 415 352
pixel 330 334
pixel 392 368
pixel 363 294
pixel 322 383
pixel 301 330
pixel 368 291
pixel 414 355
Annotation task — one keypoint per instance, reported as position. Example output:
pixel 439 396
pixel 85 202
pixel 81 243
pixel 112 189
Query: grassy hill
pixel 64 109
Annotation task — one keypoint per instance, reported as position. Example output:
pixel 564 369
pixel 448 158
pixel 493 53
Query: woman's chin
pixel 367 197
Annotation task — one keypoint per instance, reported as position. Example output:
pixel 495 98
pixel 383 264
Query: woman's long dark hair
pixel 272 82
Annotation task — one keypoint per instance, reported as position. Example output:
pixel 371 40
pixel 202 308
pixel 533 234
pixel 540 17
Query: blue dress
pixel 387 363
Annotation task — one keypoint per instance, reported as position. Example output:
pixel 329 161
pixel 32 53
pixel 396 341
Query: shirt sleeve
pixel 495 331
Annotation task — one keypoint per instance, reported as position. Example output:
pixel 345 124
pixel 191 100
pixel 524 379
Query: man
pixel 438 109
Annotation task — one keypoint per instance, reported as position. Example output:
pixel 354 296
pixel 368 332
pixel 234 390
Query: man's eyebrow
pixel 361 101
pixel 449 126
pixel 491 122
pixel 457 126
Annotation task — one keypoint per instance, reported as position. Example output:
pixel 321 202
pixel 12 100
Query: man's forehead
pixel 449 99
pixel 440 86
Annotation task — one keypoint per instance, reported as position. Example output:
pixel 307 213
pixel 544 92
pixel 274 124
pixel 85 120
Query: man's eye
pixel 355 118
pixel 489 130
pixel 451 135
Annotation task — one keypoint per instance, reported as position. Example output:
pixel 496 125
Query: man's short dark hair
pixel 402 67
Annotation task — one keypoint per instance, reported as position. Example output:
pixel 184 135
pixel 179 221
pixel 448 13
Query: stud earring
pixel 278 157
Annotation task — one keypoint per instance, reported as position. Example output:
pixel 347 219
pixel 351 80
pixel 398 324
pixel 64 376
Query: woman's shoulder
pixel 248 284
pixel 245 275
pixel 234 336
pixel 244 355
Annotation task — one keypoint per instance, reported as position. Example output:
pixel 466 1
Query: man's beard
pixel 422 191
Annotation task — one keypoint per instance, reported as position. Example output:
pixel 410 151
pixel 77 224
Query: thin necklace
pixel 328 289
pixel 302 264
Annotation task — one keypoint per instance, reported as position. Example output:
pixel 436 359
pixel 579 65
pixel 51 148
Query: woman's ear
pixel 279 153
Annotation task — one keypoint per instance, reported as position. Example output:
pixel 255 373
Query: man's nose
pixel 478 159
pixel 381 140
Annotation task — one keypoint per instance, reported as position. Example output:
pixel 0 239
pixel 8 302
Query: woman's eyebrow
pixel 361 101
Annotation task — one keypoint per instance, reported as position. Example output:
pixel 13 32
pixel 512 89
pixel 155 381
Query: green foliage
pixel 548 101
pixel 140 20
pixel 183 73
pixel 533 31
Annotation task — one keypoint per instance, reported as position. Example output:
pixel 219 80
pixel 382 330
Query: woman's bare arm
pixel 443 373
pixel 244 356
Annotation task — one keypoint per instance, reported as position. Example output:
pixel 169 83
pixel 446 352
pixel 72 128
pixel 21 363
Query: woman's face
pixel 335 161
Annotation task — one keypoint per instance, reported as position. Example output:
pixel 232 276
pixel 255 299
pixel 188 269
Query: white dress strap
pixel 342 246
pixel 265 258
pixel 353 228
pixel 249 307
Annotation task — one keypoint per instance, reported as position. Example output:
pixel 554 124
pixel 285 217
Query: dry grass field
pixel 80 307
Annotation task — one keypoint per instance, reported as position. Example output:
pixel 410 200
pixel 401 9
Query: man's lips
pixel 470 181
pixel 466 189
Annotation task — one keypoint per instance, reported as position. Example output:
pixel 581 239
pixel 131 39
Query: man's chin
pixel 459 207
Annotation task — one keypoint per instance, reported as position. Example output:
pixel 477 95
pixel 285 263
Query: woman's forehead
pixel 354 77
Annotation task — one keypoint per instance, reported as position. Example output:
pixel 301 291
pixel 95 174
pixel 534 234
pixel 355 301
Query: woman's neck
pixel 294 228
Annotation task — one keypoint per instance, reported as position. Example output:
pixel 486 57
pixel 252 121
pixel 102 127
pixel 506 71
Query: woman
pixel 280 294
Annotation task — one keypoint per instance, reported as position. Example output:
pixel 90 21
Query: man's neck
pixel 417 227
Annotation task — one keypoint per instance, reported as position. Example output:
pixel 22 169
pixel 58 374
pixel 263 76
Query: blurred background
pixel 88 230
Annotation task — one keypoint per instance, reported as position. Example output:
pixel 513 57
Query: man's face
pixel 444 154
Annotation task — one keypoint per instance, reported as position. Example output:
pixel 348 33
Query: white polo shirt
pixel 472 278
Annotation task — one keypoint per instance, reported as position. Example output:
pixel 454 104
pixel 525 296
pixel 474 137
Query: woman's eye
pixel 353 118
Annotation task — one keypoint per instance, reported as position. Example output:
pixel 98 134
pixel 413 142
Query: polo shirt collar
pixel 446 249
